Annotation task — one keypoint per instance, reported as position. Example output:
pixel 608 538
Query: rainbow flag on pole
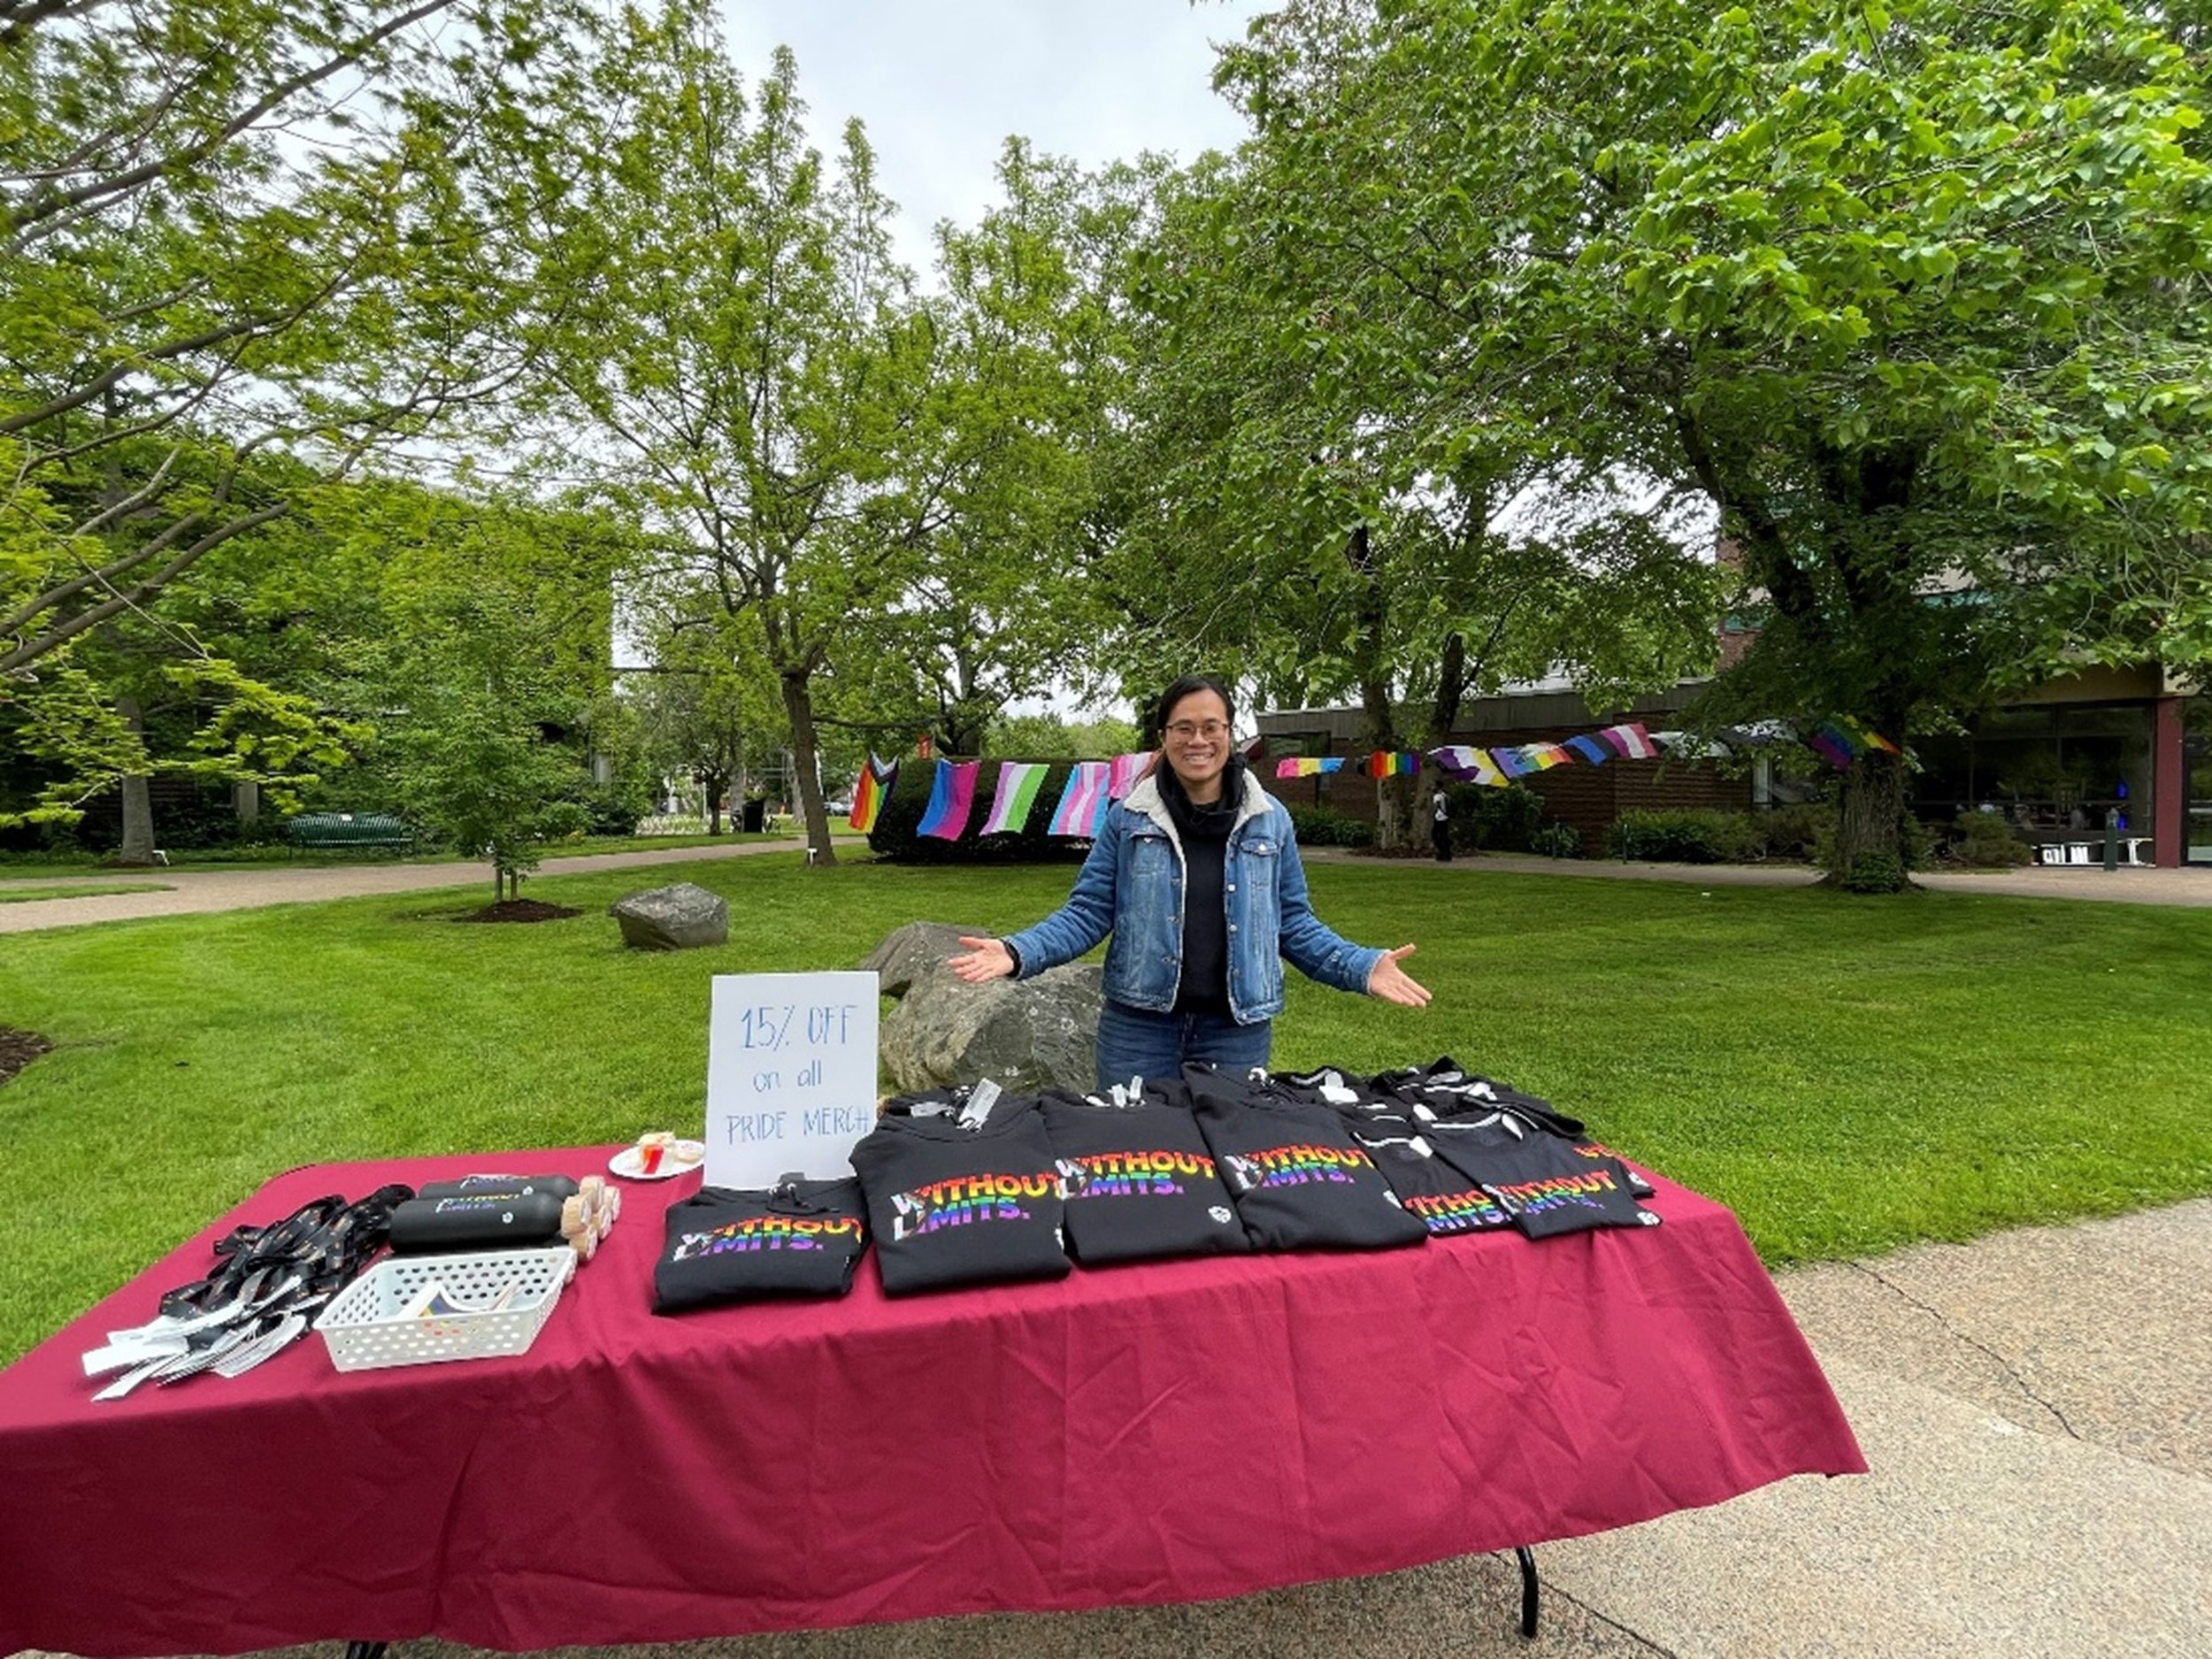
pixel 1469 765
pixel 1083 804
pixel 1307 766
pixel 1018 781
pixel 871 792
pixel 951 798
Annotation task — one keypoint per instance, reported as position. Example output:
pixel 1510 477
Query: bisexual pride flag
pixel 1307 766
pixel 951 798
pixel 872 790
pixel 1469 765
pixel 1631 741
pixel 1018 781
pixel 1082 809
pixel 1125 771
pixel 1384 763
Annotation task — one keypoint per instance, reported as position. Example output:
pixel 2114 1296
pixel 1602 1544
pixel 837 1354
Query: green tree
pixel 1915 294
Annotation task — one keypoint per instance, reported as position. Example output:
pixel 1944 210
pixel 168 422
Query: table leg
pixel 1527 1558
pixel 365 1650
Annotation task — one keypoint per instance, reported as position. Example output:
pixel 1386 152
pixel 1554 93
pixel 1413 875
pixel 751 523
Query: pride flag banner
pixel 1018 781
pixel 1548 755
pixel 1469 765
pixel 871 792
pixel 1384 764
pixel 1590 750
pixel 951 798
pixel 1083 804
pixel 1863 739
pixel 1307 766
pixel 1834 745
pixel 1127 771
pixel 1515 763
pixel 1631 741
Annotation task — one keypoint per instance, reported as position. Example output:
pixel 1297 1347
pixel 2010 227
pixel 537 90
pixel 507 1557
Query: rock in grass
pixel 1039 1034
pixel 678 918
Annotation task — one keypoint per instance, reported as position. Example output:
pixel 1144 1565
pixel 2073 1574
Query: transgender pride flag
pixel 1018 781
pixel 1082 809
pixel 1125 771
pixel 951 798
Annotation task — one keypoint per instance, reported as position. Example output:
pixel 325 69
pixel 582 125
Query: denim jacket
pixel 1131 887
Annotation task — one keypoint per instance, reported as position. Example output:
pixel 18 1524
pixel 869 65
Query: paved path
pixel 248 887
pixel 2037 1411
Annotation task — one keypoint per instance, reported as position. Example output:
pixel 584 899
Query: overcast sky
pixel 941 83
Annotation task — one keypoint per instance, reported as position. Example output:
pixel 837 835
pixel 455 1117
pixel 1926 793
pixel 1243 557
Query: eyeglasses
pixel 1190 731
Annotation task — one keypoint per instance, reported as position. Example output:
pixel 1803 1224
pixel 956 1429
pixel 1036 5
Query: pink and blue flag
pixel 951 798
pixel 1083 804
pixel 1018 781
pixel 1127 771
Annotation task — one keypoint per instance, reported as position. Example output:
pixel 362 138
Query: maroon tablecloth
pixel 1142 1435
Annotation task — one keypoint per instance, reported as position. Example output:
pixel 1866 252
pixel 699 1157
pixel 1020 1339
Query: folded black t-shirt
pixel 1443 1090
pixel 1544 1182
pixel 1139 1181
pixel 1430 1187
pixel 727 1244
pixel 1300 1180
pixel 951 1204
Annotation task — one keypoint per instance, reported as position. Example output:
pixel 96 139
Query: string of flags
pixel 1093 784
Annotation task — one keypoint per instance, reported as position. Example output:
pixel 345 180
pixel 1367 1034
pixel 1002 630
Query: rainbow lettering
pixel 1132 1174
pixel 963 1199
pixel 1456 1212
pixel 1534 1198
pixel 1294 1166
pixel 770 1232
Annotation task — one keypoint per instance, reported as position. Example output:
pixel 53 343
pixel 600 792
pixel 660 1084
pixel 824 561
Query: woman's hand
pixel 989 959
pixel 1385 980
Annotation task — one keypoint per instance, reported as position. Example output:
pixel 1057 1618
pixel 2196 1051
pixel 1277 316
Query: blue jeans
pixel 1132 1043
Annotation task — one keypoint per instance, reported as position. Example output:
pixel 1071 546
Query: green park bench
pixel 317 830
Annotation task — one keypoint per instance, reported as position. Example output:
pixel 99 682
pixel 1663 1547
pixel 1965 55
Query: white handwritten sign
pixel 791 1075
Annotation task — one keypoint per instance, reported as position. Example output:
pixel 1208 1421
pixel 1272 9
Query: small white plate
pixel 680 1158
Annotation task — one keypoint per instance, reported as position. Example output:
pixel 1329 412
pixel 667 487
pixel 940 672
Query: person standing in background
pixel 1440 823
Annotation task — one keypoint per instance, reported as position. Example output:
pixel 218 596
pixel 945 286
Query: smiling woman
pixel 1196 876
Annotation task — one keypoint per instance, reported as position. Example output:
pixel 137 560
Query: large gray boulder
pixel 678 918
pixel 1039 1034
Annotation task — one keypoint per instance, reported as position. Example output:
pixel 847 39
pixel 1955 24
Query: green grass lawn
pixel 1848 1075
pixel 85 890
pixel 40 866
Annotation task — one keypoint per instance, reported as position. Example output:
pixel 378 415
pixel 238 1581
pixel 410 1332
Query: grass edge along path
pixel 1848 1075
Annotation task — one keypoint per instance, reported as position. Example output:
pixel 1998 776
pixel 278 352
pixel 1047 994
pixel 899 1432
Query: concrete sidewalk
pixel 249 886
pixel 2037 1411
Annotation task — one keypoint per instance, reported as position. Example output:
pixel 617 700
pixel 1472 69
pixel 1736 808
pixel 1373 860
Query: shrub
pixel 1502 820
pixel 1794 831
pixel 1685 835
pixel 1557 840
pixel 1984 838
pixel 1874 872
pixel 1325 826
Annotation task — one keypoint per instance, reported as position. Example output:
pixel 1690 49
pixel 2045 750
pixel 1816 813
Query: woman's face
pixel 1197 741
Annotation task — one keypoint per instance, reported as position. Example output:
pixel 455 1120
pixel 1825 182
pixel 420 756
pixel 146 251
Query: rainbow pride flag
pixel 1590 750
pixel 951 798
pixel 1386 764
pixel 1018 781
pixel 1632 740
pixel 1083 804
pixel 1834 745
pixel 871 792
pixel 1863 739
pixel 1515 763
pixel 1307 766
pixel 1125 771
pixel 1469 765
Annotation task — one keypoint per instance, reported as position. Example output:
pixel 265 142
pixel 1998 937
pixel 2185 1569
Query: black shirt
pixel 1139 1181
pixel 1203 833
pixel 724 1244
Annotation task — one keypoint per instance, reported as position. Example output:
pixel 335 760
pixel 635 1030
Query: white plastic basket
pixel 369 1324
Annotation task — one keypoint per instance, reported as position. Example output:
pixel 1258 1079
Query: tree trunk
pixel 1869 853
pixel 138 806
pixel 798 705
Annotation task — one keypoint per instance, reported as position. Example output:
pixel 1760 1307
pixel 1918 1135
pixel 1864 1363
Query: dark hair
pixel 1189 685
